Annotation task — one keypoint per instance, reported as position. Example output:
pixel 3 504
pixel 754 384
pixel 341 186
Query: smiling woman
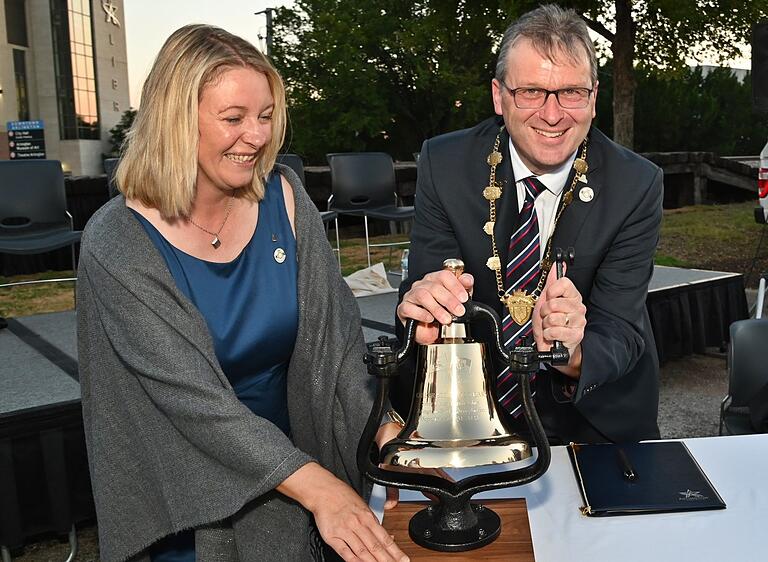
pixel 221 409
pixel 235 122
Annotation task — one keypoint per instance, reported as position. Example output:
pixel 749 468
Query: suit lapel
pixel 577 212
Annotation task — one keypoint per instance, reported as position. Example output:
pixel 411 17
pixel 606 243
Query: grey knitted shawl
pixel 170 446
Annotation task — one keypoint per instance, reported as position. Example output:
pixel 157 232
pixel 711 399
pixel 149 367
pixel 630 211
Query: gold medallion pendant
pixel 520 306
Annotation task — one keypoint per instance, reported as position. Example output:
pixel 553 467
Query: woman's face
pixel 235 122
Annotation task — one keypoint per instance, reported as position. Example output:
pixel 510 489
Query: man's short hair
pixel 552 31
pixel 159 164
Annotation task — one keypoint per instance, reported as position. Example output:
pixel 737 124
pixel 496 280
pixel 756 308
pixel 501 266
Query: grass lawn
pixel 716 237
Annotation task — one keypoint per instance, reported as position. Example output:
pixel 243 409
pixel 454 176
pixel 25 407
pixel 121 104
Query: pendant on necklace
pixel 216 242
pixel 520 306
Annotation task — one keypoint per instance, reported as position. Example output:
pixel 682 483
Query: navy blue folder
pixel 639 478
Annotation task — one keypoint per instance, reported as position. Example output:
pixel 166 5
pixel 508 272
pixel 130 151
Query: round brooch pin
pixel 586 194
pixel 279 255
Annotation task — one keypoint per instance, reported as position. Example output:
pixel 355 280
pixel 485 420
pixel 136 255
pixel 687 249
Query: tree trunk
pixel 624 85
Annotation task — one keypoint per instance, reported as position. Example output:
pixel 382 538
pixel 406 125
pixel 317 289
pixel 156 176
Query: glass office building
pixel 63 62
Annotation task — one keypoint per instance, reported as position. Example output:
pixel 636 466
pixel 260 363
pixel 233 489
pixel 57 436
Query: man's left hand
pixel 560 315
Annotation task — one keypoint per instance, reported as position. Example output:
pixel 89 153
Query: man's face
pixel 545 137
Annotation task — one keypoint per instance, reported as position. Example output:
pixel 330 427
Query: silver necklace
pixel 216 242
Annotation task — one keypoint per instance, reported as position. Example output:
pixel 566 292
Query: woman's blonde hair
pixel 159 164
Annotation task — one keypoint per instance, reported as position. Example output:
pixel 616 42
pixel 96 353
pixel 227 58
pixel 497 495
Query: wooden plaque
pixel 513 544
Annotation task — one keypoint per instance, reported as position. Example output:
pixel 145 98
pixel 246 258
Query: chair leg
pixel 72 544
pixel 74 273
pixel 723 402
pixel 367 245
pixel 338 246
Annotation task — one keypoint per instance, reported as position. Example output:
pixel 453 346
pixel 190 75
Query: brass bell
pixel 454 420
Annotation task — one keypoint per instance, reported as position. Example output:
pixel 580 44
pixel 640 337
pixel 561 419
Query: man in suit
pixel 544 91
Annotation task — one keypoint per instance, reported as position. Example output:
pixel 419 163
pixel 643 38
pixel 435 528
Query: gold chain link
pixel 567 198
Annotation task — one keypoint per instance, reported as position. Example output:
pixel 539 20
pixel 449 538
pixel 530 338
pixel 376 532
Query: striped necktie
pixel 522 273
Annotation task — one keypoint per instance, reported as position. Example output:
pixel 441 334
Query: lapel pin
pixel 279 255
pixel 586 194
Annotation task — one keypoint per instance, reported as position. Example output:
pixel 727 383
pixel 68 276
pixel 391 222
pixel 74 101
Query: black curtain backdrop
pixel 44 480
pixel 690 318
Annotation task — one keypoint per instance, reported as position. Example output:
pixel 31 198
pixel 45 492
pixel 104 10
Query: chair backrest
pixel 110 168
pixel 747 359
pixel 294 162
pixel 362 180
pixel 31 192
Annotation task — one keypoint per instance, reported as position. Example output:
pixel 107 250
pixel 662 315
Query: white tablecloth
pixel 736 466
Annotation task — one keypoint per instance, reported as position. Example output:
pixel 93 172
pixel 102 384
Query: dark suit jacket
pixel 614 235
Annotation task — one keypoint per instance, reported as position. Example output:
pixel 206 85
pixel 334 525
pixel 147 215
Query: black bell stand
pixel 453 524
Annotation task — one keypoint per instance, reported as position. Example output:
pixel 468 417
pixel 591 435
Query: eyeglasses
pixel 534 98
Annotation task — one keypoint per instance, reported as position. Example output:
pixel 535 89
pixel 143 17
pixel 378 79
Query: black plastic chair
pixel 747 375
pixel 33 212
pixel 110 168
pixel 295 162
pixel 363 184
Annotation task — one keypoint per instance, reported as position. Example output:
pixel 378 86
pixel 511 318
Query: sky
pixel 148 23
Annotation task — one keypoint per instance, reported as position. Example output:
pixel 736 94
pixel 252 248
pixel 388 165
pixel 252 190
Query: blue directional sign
pixel 26 140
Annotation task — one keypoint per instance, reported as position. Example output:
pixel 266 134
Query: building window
pixel 16 22
pixel 75 74
pixel 20 74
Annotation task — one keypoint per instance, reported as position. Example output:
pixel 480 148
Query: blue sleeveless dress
pixel 251 307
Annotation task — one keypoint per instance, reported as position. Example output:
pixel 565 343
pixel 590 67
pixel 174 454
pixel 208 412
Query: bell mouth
pixel 400 453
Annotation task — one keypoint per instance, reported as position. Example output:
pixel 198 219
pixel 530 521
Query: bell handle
pixel 409 341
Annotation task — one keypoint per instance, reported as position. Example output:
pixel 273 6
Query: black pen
pixel 626 466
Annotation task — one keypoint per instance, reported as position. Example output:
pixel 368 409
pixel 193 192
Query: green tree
pixel 118 132
pixel 664 34
pixel 363 75
pixel 692 110
pixel 699 111
pixel 384 76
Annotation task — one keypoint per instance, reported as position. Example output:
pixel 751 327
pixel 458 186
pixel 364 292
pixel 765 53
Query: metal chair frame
pixel 70 241
pixel 357 199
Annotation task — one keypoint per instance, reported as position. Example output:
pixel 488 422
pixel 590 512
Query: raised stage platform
pixel 44 482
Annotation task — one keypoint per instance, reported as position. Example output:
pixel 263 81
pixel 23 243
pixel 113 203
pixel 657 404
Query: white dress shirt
pixel 546 203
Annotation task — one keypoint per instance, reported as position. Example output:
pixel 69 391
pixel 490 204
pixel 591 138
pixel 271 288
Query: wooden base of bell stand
pixel 513 544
